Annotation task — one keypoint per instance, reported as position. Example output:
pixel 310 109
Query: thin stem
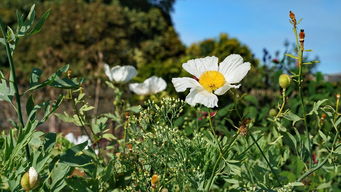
pixel 213 132
pixel 267 161
pixel 283 103
pixel 300 61
pixel 14 82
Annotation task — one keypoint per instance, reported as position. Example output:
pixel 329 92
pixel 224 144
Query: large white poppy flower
pixel 120 74
pixel 151 85
pixel 212 80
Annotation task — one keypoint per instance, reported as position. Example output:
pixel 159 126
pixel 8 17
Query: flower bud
pixel 284 81
pixel 155 179
pixel 30 179
pixel 273 112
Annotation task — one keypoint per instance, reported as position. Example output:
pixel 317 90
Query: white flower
pixel 151 85
pixel 77 140
pixel 33 176
pixel 212 80
pixel 120 74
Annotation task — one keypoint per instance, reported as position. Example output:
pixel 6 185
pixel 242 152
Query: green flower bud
pixel 284 81
pixel 273 112
pixel 30 179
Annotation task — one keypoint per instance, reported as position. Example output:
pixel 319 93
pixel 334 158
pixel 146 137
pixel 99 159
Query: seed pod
pixel 30 179
pixel 284 81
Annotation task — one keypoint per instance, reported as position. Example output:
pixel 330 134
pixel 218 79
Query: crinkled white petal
pixel 32 176
pixel 239 73
pixel 151 85
pixel 222 90
pixel 201 96
pixel 123 74
pixel 155 84
pixel 107 71
pixel 229 64
pixel 198 66
pixel 82 139
pixel 139 88
pixel 183 83
pixel 70 137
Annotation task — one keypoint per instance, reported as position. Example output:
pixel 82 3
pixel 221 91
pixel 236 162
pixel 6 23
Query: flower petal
pixel 201 96
pixel 239 73
pixel 181 84
pixel 123 74
pixel 155 84
pixel 197 66
pixel 229 64
pixel 139 88
pixel 107 71
pixel 222 90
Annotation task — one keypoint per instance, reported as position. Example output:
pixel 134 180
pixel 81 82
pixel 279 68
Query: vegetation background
pixel 88 33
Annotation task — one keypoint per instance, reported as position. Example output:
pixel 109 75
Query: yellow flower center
pixel 212 80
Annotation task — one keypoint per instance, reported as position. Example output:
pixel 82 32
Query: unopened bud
pixel 30 179
pixel 155 179
pixel 273 112
pixel 284 81
pixel 337 96
pixel 293 18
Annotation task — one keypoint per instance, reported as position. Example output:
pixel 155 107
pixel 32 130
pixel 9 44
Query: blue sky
pixel 265 24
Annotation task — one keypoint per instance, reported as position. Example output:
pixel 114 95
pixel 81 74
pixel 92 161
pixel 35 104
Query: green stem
pixel 283 103
pixel 14 82
pixel 300 58
pixel 267 161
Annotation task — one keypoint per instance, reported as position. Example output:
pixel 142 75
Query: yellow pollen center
pixel 212 80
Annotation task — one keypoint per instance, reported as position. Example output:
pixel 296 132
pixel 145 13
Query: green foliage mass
pixel 79 33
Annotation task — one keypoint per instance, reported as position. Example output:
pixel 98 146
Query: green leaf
pixel 134 109
pixel 2 41
pixel 40 23
pixel 251 99
pixel 35 76
pixel 74 156
pixel 29 106
pixel 317 106
pixel 292 117
pixel 324 186
pixel 290 55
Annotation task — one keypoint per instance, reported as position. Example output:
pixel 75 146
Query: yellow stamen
pixel 212 80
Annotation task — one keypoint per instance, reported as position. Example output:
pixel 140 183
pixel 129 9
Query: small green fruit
pixel 29 179
pixel 273 112
pixel 284 81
